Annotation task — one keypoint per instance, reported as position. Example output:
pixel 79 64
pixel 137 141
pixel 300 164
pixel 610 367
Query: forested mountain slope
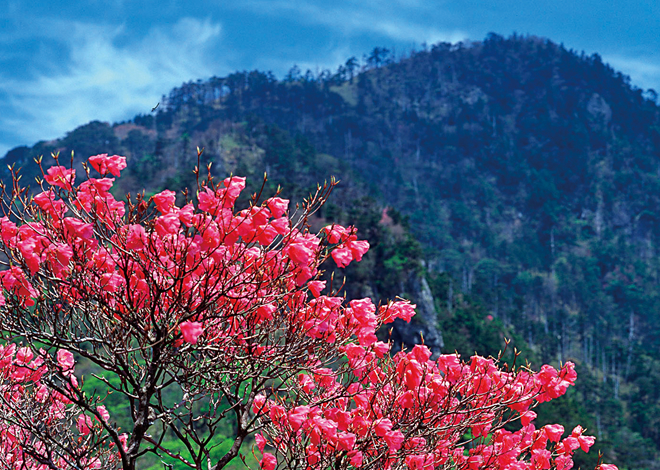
pixel 510 187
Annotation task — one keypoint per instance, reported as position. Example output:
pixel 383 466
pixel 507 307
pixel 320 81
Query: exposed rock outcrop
pixel 424 326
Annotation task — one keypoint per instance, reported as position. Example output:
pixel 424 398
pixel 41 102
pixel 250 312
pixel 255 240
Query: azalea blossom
pixel 223 306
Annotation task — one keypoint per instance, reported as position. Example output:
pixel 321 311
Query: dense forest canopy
pixel 509 187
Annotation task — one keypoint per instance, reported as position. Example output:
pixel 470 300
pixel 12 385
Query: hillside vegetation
pixel 510 187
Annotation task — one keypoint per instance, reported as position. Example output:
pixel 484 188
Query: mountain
pixel 508 186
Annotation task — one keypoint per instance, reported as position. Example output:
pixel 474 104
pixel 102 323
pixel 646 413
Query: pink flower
pixel 554 431
pixel 268 462
pixel 84 424
pixel 394 440
pixel 96 187
pixel 475 462
pixel 420 462
pixel 364 311
pixel 165 201
pixel 281 225
pixel 191 331
pixel 527 417
pixel 259 405
pixel 358 248
pixel 568 445
pixel 94 464
pixel 277 206
pixel 77 229
pixel 568 373
pixel 316 287
pixel 355 458
pixel 65 360
pixel 586 442
pixel 234 185
pixel 59 255
pixel 564 462
pixel 8 230
pixel 346 441
pixel 406 400
pixel 29 251
pixel 105 164
pixel 541 458
pixel 381 349
pixel 208 201
pixel 167 224
pixel 111 282
pixel 382 426
pixel 335 233
pixel 186 214
pixel 136 237
pixel 306 382
pixel 402 309
pixel 421 353
pixel 261 442
pixel 103 412
pixel 23 356
pixel 14 280
pixel 577 431
pixel 296 419
pixel 47 203
pixel 265 312
pixel 61 177
pixel 342 256
pixel 300 254
pixel 313 456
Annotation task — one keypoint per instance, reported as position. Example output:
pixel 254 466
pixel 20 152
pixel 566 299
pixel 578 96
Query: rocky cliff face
pixel 423 328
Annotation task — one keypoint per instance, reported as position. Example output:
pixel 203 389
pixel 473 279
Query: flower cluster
pixel 35 411
pixel 417 412
pixel 229 307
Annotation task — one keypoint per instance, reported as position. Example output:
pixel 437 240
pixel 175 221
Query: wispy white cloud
pixel 644 72
pixel 353 18
pixel 104 80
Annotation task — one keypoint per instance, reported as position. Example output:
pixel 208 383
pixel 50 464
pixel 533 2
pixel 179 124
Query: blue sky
pixel 65 63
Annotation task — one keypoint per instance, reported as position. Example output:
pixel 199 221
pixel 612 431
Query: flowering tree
pixel 201 314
